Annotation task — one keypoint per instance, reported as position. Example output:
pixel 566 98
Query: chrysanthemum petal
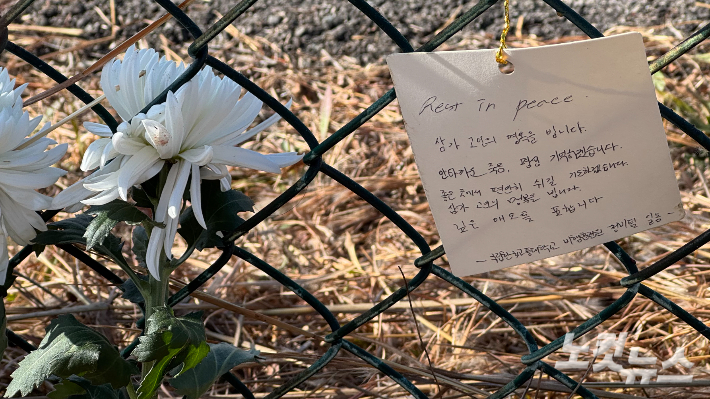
pixel 152 171
pixel 174 125
pixel 19 159
pixel 226 123
pixel 6 85
pixel 284 159
pixel 130 84
pixel 112 89
pixel 134 168
pixel 4 260
pixel 71 195
pixel 217 172
pixel 196 196
pixel 209 174
pixel 225 183
pixel 108 153
pixel 125 145
pixel 34 122
pixel 16 128
pixel 51 157
pixel 185 94
pixel 161 211
pixel 159 136
pixel 127 79
pixel 175 202
pixel 157 235
pixel 74 208
pixel 199 156
pixel 39 145
pixel 170 232
pixel 107 181
pixel 213 172
pixel 30 199
pixel 74 194
pixel 93 154
pixel 98 129
pixel 152 253
pixel 237 138
pixel 29 179
pixel 103 198
pixel 236 156
pixel 19 221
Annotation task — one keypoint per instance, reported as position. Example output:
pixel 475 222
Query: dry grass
pixel 348 255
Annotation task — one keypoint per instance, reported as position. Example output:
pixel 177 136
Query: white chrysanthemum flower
pixel 129 86
pixel 196 130
pixel 24 167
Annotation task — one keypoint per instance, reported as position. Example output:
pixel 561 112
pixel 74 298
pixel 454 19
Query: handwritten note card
pixel 566 152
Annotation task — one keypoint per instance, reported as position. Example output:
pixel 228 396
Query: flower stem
pixel 131 391
pixel 157 289
pixel 157 297
pixel 140 284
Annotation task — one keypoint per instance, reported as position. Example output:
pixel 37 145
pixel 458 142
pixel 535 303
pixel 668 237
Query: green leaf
pixel 107 217
pixel 222 358
pixel 147 195
pixel 169 340
pixel 142 199
pixel 184 331
pixel 220 212
pixel 71 231
pixel 194 357
pixel 79 388
pixel 131 292
pixel 119 210
pixel 104 391
pixel 67 231
pixel 194 234
pixel 659 81
pixel 154 378
pixel 140 245
pixel 66 389
pixel 688 112
pixel 38 249
pixel 98 229
pixel 71 348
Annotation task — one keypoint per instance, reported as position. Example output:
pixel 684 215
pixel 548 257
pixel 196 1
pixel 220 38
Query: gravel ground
pixel 305 27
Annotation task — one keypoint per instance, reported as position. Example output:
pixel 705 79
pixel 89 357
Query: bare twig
pixel 45 132
pixel 579 384
pixel 416 324
pixel 55 312
pixel 527 387
pixel 108 57
pixel 46 29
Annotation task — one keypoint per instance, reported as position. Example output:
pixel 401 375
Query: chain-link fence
pixel 337 339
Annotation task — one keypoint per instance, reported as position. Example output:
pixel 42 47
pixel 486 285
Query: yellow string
pixel 501 57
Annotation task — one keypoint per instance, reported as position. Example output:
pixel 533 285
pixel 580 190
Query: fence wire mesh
pixel 338 337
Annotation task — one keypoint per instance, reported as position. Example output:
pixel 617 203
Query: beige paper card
pixel 566 152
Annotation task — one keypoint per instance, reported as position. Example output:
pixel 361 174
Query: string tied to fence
pixel 501 56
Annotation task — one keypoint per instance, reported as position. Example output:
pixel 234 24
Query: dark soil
pixel 305 28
